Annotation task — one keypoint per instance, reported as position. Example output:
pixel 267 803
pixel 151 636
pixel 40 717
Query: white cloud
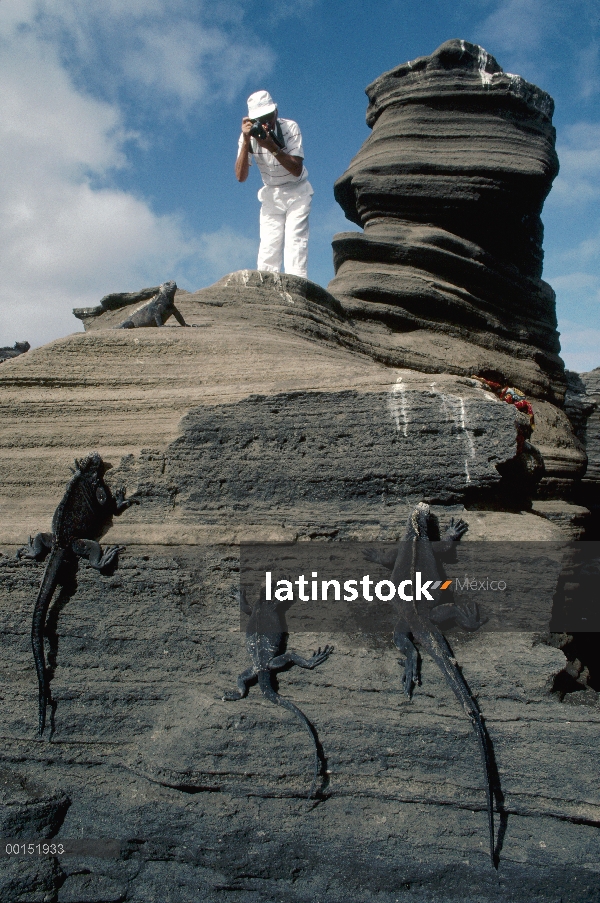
pixel 224 251
pixel 579 293
pixel 580 346
pixel 545 41
pixel 67 235
pixel 581 286
pixel 588 66
pixel 326 222
pixel 585 254
pixel 162 53
pixel 283 9
pixel 516 26
pixel 192 63
pixel 578 182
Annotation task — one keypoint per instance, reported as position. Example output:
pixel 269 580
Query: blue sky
pixel 119 124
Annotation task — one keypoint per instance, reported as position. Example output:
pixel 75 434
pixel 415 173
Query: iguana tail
pixel 264 682
pixel 49 581
pixel 442 654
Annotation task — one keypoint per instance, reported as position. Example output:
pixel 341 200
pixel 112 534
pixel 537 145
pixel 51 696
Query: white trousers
pixel 284 228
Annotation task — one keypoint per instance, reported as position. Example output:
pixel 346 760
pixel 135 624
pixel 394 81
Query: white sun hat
pixel 260 104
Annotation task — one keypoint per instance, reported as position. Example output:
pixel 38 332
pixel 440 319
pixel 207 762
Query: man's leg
pixel 296 236
pixel 272 227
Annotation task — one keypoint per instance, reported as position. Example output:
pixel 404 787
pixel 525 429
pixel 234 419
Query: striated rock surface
pixel 31 813
pixel 582 405
pixel 206 798
pixel 449 189
pixel 380 431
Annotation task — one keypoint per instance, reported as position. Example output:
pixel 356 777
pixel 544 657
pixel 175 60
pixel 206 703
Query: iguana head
pixel 91 464
pixel 419 521
pixel 169 288
pixel 91 469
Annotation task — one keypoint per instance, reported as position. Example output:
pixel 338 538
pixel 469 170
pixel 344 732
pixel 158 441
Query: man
pixel 286 193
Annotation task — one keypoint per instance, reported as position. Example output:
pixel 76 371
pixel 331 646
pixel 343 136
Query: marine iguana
pixel 418 620
pixel 157 311
pixel 85 508
pixel 264 639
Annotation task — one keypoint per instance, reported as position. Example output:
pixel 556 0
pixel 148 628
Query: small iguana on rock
pixel 157 311
pixel 417 622
pixel 85 508
pixel 264 639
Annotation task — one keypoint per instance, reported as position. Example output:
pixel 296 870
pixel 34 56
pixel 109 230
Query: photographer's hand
pixel 246 126
pixel 269 142
pixel 292 164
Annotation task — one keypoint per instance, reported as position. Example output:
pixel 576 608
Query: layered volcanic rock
pixel 277 417
pixel 449 189
pixel 257 338
pixel 582 405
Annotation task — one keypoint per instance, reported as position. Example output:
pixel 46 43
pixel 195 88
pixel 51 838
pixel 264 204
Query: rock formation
pixel 289 414
pixel 449 189
pixel 582 404
pixel 6 354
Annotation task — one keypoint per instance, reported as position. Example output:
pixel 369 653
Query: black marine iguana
pixel 155 312
pixel 85 508
pixel 418 620
pixel 264 639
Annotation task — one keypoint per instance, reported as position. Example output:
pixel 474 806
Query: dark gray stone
pixel 30 810
pixel 449 190
pixel 151 756
pixel 18 348
pixel 335 453
pixel 582 405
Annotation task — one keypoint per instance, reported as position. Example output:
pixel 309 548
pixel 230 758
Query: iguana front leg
pixel 178 316
pixel 121 503
pixel 403 642
pixel 287 658
pixel 455 530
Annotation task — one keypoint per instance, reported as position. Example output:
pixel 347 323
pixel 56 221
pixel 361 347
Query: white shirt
pixel 272 172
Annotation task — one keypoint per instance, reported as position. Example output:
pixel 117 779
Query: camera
pixel 257 130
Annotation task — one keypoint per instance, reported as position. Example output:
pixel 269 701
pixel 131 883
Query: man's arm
pixel 292 164
pixel 242 166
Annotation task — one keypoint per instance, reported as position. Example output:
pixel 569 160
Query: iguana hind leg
pixel 465 613
pixel 92 550
pixel 293 658
pixel 242 682
pixel 37 547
